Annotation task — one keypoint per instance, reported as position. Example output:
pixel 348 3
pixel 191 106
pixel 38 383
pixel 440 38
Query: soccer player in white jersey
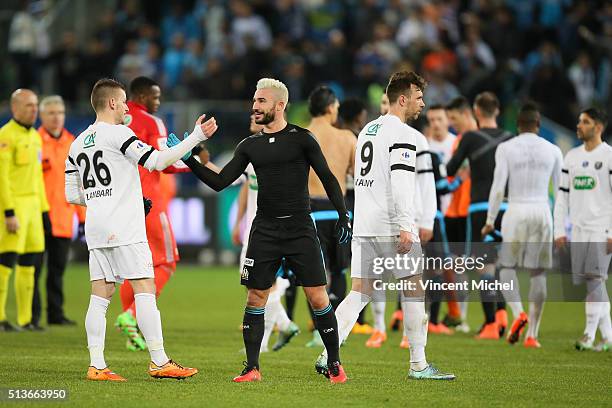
pixel 528 163
pixel 247 209
pixel 385 218
pixel 425 214
pixel 585 194
pixel 102 174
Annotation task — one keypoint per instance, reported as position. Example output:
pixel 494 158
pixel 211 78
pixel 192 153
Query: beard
pixel 267 117
pixel 584 136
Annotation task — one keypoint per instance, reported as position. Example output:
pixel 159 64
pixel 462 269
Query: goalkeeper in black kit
pixel 282 155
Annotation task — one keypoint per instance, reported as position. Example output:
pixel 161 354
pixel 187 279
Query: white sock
pixel 605 324
pixel 269 319
pixel 95 326
pixel 537 297
pixel 275 309
pixel 348 312
pixel 592 310
pixel 512 297
pixel 149 323
pixel 415 324
pixel 378 310
pixel 404 330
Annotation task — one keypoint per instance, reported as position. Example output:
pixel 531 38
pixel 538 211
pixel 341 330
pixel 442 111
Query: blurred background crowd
pixel 555 52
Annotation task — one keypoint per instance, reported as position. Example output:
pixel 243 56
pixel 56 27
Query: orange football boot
pixel 171 370
pixel 377 339
pixel 105 374
pixel 518 325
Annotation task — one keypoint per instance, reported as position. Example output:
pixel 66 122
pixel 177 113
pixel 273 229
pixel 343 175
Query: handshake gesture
pixel 204 130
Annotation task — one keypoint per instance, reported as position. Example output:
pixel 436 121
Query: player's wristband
pixel 9 213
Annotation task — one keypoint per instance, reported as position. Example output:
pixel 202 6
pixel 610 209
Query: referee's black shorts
pixel 337 257
pixel 272 239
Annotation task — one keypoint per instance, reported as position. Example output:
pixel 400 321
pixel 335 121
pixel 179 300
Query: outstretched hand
pixel 208 128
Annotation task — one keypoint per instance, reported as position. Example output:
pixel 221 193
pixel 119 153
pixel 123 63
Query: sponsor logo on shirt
pixel 249 262
pixel 90 140
pixel 405 156
pixel 584 183
pixel 373 129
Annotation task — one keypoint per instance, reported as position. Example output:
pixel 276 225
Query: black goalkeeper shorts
pixel 272 239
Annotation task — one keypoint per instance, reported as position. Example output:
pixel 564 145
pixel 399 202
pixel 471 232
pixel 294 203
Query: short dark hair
pixel 528 116
pixel 401 82
pixel 319 99
pixel 102 90
pixel 459 103
pixel 488 103
pixel 141 85
pixel 436 106
pixel 351 108
pixel 598 115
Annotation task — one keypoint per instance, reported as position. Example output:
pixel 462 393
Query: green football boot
pixel 430 373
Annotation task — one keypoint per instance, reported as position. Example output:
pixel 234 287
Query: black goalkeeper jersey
pixel 479 148
pixel 282 162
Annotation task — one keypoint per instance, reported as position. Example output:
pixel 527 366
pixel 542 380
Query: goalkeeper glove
pixel 173 140
pixel 148 204
pixel 344 230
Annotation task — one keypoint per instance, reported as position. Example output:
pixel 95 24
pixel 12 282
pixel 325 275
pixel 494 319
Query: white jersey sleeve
pixel 500 177
pixel 141 153
pixel 403 166
pixel 72 185
pixel 562 201
pixel 426 184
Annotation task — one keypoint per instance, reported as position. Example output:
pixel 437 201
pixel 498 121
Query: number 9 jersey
pixel 106 158
pixel 385 179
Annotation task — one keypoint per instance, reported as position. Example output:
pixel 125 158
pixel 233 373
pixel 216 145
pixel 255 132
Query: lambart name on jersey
pixel 105 192
pixel 494 285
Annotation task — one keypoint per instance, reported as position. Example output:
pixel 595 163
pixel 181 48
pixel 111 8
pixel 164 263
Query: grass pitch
pixel 201 310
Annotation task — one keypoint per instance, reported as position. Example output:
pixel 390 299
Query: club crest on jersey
pixel 585 163
pixel 584 183
pixel 244 275
pixel 598 165
pixel 127 120
pixel 90 140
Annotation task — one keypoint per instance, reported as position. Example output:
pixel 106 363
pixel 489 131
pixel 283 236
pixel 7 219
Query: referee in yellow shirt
pixel 23 207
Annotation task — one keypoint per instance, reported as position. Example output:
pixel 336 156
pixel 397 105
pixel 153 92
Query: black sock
pixel 434 311
pixel 327 325
pixel 290 298
pixel 501 304
pixel 337 288
pixel 252 333
pixel 488 297
pixel 361 319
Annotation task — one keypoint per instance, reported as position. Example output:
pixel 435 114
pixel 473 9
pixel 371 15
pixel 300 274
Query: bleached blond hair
pixel 277 86
pixel 50 100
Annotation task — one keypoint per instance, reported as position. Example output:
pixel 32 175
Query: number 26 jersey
pixel 107 157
